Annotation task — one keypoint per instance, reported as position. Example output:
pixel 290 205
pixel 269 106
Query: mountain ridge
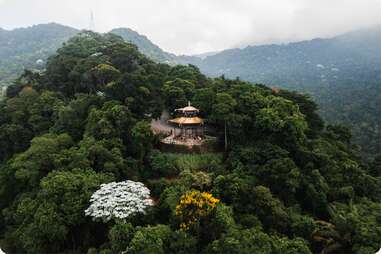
pixel 343 74
pixel 20 48
pixel 146 46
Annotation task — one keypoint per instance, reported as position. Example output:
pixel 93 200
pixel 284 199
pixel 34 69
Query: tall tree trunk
pixel 226 139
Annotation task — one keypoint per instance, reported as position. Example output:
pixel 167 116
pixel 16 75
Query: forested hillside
pixel 303 64
pixel 145 45
pixel 343 74
pixel 24 47
pixel 287 184
pixel 28 48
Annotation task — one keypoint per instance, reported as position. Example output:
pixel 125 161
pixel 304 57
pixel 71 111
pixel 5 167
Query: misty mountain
pixel 29 47
pixel 144 45
pixel 302 64
pixel 343 74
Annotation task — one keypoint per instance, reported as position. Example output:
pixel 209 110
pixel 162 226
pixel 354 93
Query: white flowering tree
pixel 119 200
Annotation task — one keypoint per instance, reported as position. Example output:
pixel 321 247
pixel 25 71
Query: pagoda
pixel 188 126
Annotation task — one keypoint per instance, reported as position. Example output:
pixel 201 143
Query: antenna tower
pixel 92 22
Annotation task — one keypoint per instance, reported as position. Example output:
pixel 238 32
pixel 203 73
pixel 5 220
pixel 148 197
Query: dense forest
pixel 342 74
pixel 79 132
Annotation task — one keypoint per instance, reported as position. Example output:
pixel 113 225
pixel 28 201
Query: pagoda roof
pixel 188 108
pixel 187 120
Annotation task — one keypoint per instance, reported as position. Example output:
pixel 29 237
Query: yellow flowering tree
pixel 193 206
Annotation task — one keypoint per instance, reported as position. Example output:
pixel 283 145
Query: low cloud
pixel 196 26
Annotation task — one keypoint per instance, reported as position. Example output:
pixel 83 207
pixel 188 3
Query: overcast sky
pixel 197 26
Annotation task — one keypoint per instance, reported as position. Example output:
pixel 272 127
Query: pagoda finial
pixel 189 104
